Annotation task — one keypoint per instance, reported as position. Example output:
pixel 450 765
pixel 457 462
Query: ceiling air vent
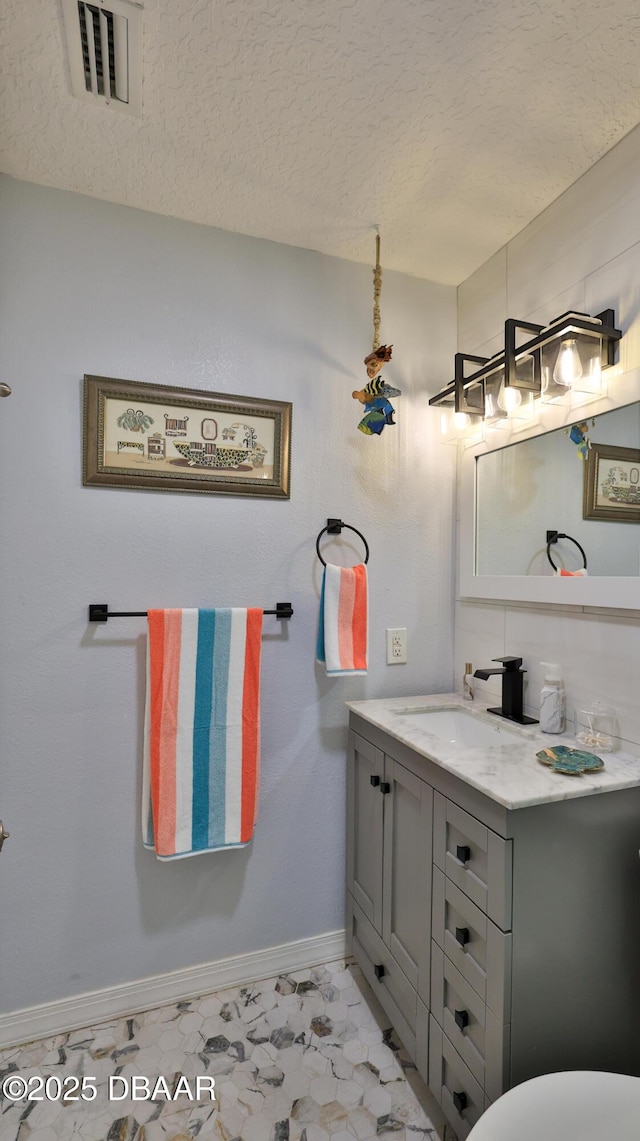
pixel 104 42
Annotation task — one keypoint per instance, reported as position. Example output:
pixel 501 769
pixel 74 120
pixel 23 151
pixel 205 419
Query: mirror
pixel 503 522
pixel 543 483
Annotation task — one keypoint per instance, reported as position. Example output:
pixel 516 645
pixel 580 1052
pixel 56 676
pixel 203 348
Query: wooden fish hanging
pixel 375 395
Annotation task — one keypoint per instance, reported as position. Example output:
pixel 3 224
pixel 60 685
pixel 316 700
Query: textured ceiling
pixel 448 123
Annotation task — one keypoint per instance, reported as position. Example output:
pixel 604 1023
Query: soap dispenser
pixel 553 700
pixel 467 682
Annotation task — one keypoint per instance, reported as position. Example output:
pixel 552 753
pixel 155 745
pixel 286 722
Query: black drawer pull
pixel 460 1101
pixel 462 935
pixel 385 787
pixel 375 780
pixel 378 970
pixel 462 1018
pixel 463 852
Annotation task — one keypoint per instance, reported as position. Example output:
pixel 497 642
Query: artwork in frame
pixel 612 484
pixel 155 436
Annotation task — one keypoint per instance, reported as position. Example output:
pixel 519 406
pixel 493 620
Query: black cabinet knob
pixel 460 1101
pixel 375 780
pixel 462 935
pixel 463 852
pixel 462 1018
pixel 385 787
pixel 378 970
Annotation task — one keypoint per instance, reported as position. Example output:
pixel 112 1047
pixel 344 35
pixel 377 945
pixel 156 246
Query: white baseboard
pixel 97 1006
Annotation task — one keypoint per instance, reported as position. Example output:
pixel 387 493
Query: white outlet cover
pixel 396 646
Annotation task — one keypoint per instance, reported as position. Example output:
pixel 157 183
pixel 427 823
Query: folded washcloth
pixel 202 730
pixel 343 637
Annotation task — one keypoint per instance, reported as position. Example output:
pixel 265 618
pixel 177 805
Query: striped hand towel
pixel 343 637
pixel 202 730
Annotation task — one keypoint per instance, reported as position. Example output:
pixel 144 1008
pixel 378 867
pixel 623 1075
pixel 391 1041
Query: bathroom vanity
pixel 493 905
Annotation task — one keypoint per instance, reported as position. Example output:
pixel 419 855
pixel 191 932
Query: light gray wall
pixel 582 252
pixel 91 287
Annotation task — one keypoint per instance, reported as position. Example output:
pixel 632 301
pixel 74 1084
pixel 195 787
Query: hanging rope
pixel 375 394
pixel 377 289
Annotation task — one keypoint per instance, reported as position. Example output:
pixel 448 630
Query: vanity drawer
pixel 389 984
pixel 452 1083
pixel 480 950
pixel 476 859
pixel 481 1041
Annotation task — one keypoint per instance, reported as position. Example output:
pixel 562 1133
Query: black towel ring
pixel 553 536
pixel 334 527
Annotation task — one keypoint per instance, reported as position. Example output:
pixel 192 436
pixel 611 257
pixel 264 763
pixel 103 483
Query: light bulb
pixel 568 366
pixel 461 420
pixel 508 398
pixel 453 423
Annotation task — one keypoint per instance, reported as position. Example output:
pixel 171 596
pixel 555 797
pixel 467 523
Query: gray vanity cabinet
pixel 364 851
pixel 502 943
pixel 389 881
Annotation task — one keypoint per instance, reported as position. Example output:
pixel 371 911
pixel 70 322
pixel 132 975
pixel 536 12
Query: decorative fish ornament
pixel 578 436
pixel 375 394
pixel 375 387
pixel 379 413
pixel 375 360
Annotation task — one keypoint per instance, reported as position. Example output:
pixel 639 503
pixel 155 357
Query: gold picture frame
pixel 612 484
pixel 161 438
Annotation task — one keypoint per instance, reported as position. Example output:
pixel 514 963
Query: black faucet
pixel 512 689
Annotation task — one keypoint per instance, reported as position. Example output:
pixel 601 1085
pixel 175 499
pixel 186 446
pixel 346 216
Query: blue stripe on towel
pixel 218 731
pixel 320 653
pixel 201 721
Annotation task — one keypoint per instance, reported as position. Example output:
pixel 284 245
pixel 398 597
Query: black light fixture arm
pixel 461 382
pixel 511 353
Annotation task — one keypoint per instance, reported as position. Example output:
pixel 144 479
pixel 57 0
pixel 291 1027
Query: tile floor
pixel 303 1057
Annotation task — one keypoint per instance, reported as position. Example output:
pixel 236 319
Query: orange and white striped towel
pixel 202 730
pixel 343 630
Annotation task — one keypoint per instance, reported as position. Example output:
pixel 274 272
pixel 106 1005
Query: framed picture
pixel 612 484
pixel 183 439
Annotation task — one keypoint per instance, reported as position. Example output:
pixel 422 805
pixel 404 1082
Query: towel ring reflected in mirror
pixel 553 536
pixel 334 527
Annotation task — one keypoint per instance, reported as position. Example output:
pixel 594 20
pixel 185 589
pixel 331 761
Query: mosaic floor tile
pixel 302 1057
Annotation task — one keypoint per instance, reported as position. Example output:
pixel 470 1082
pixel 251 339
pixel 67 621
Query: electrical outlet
pixel 396 646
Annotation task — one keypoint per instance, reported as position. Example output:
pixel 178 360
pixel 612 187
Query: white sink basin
pixel 457 727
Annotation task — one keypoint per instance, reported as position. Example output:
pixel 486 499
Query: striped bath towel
pixel 202 730
pixel 343 637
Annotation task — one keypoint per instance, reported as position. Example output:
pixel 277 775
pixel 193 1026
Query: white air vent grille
pixel 105 52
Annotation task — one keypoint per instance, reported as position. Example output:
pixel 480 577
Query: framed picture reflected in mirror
pixel 612 484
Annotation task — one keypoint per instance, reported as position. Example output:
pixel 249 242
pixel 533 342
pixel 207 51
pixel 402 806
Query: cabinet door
pixel 406 914
pixel 365 805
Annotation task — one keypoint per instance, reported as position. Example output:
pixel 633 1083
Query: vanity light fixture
pixel 587 346
pixel 562 362
pixel 456 424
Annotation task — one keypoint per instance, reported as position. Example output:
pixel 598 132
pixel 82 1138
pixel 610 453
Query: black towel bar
pixel 99 612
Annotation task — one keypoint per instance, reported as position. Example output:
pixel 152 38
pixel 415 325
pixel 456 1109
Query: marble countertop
pixel 510 773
